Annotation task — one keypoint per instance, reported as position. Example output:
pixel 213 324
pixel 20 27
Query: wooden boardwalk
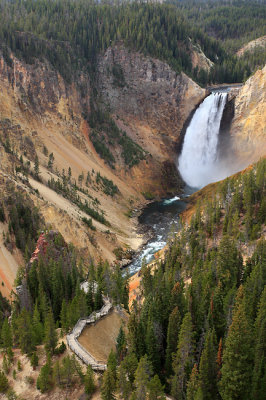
pixel 77 348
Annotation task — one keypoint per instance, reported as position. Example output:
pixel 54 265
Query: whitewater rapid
pixel 199 162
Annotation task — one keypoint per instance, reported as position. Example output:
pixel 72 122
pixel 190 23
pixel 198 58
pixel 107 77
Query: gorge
pixel 132 200
pixel 199 163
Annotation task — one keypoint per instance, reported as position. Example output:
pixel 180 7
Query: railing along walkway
pixel 72 338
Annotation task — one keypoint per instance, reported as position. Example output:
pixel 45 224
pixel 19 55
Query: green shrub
pixel 89 223
pixel 148 195
pixel 60 349
pixel 3 382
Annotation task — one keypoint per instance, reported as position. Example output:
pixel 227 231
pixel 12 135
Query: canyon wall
pixel 151 102
pixel 41 114
pixel 248 128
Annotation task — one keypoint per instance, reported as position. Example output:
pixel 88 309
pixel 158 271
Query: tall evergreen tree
pixel 89 382
pixel 121 344
pixel 172 338
pixel 193 385
pixel 50 335
pixel 142 378
pixel 126 375
pixel 259 370
pixel 108 386
pixel 6 334
pixel 44 381
pixel 63 317
pixel 25 332
pixel 155 389
pixel 183 359
pixel 112 364
pixel 37 326
pixel 208 367
pixel 238 355
pixel 152 346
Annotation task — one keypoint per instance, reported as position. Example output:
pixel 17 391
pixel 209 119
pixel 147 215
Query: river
pixel 161 219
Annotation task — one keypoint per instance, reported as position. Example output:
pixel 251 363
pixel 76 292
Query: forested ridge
pixel 234 23
pixel 200 331
pixel 71 34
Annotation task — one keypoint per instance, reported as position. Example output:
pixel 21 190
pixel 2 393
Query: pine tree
pixel 89 382
pixel 51 161
pixel 36 167
pixel 25 332
pixel 50 335
pixel 172 338
pixel 108 386
pixel 6 335
pixel 44 382
pixel 37 326
pixel 155 389
pixel 34 360
pixel 10 355
pixel 193 385
pixel 142 378
pixel 68 369
pixel 98 298
pixel 135 335
pixel 57 373
pixel 259 370
pixel 237 360
pixel 208 367
pixel 6 365
pixel 152 347
pixel 112 364
pixel 219 359
pixel 183 359
pixel 121 344
pixel 3 382
pixel 63 317
pixel 89 299
pixel 126 374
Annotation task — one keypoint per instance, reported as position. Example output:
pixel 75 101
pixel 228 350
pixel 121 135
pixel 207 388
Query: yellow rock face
pixel 248 130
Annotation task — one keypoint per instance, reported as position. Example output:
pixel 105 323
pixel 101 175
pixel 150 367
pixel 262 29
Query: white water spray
pixel 198 163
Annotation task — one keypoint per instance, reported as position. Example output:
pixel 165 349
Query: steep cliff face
pixel 248 129
pixel 151 101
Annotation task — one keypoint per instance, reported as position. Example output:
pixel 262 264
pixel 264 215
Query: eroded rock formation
pixel 248 129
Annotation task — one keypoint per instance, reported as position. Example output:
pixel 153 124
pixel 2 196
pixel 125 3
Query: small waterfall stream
pixel 199 163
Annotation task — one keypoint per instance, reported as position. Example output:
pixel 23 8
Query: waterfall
pixel 199 163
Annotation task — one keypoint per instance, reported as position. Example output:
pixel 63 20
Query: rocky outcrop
pixel 40 88
pixel 248 129
pixel 254 44
pixel 198 58
pixel 151 101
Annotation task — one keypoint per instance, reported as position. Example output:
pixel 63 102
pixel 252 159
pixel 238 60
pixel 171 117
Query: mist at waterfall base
pixel 199 163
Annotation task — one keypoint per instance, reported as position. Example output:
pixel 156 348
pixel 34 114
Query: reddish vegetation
pixel 134 287
pixel 40 248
